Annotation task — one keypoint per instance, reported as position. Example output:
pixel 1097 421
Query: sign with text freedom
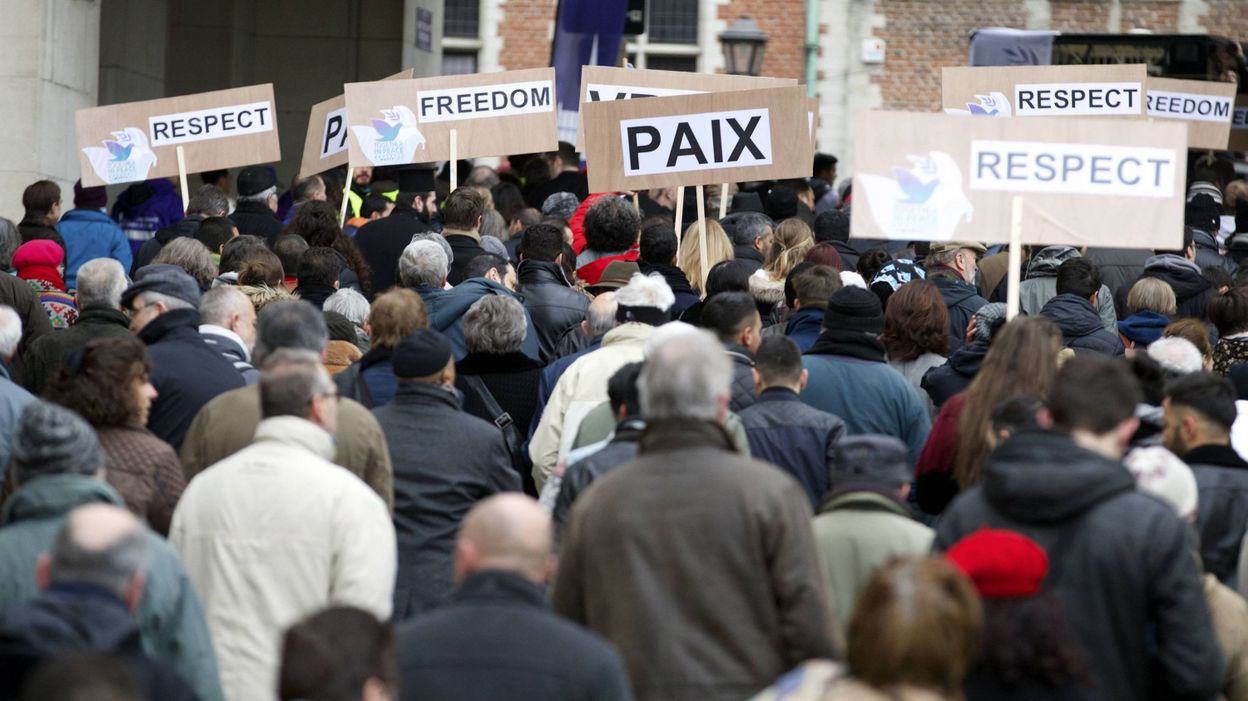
pixel 325 146
pixel 138 140
pixel 1205 106
pixel 393 122
pixel 697 139
pixel 1045 91
pixel 932 177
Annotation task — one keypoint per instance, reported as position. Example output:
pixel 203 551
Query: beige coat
pixel 1229 612
pixel 275 533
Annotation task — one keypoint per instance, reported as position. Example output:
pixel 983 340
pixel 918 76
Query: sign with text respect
pixel 1045 91
pixel 702 139
pixel 138 140
pixel 1206 106
pixel 394 122
pixel 325 146
pixel 933 177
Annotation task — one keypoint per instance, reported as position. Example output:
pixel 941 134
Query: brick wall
pixel 1160 17
pixel 1079 15
pixel 1227 18
pixel 785 24
pixel 525 30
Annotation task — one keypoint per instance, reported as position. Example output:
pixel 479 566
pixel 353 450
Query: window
pixel 459 62
pixel 671 39
pixel 461 37
pixel 462 19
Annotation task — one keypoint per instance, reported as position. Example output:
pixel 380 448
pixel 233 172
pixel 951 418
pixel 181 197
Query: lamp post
pixel 743 43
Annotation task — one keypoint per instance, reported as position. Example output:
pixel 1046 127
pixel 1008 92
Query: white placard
pixel 598 92
pixel 1076 99
pixel 334 135
pixel 705 141
pixel 1076 169
pixel 1181 105
pixel 214 123
pixel 505 100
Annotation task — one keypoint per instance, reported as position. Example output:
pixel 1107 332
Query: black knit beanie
pixel 854 309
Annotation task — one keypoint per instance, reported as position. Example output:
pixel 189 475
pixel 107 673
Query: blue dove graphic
pixel 385 130
pixel 119 152
pixel 917 191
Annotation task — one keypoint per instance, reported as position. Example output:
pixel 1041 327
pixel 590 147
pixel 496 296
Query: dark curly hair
pixel 916 321
pixel 95 382
pixel 611 225
pixel 1028 641
pixel 317 223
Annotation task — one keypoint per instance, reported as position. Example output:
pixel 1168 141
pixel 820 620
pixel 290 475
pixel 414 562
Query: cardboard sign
pixel 1239 124
pixel 1045 91
pixel 1206 106
pixel 494 114
pixel 138 140
pixel 933 177
pixel 604 84
pixel 326 144
pixel 812 120
pixel 697 139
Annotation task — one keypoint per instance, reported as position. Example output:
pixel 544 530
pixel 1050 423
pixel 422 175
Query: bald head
pixel 601 315
pixel 508 532
pixel 101 545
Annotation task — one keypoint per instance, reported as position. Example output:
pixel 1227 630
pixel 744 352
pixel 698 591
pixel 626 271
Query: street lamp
pixel 743 43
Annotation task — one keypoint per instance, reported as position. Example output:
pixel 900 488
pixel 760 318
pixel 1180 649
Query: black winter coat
pixel 553 303
pixel 1120 561
pixel 151 247
pixel 798 438
pixel 743 393
pixel 1208 255
pixel 463 248
pixel 381 242
pixel 43 359
pixel 679 282
pixel 955 376
pixel 962 300
pixel 1222 481
pixel 496 638
pixel 256 219
pixel 445 461
pixel 1081 325
pixel 1191 290
pixel 1119 267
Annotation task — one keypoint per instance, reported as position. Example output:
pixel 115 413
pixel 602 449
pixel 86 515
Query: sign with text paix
pixel 934 177
pixel 136 141
pixel 325 146
pixel 394 122
pixel 1205 106
pixel 697 139
pixel 605 83
pixel 1045 91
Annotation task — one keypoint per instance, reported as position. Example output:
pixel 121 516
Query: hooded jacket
pixel 1143 327
pixel 552 303
pixel 1222 503
pixel 145 208
pixel 1191 290
pixel 169 616
pixel 962 300
pixel 944 381
pixel 446 309
pixel 256 219
pixel 1209 254
pixel 1041 285
pixel 91 234
pixel 1081 325
pixel 804 327
pixel 1121 563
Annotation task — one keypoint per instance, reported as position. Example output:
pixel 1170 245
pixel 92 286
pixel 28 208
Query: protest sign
pixel 1045 91
pixel 1239 124
pixel 325 146
pixel 925 177
pixel 605 84
pixel 697 139
pixel 139 140
pixel 394 122
pixel 1204 105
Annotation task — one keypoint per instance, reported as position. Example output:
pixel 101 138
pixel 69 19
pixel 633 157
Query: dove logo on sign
pixel 124 158
pixel 991 105
pixel 923 203
pixel 392 140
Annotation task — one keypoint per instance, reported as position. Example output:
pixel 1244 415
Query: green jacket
pixel 172 623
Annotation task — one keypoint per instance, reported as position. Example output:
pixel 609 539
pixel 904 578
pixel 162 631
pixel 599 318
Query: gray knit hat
pixel 561 204
pixel 988 321
pixel 52 440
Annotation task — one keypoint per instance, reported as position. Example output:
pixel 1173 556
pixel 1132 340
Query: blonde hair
pixel 718 249
pixel 1152 295
pixel 790 243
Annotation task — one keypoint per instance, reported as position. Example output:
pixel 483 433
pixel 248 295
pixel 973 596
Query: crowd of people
pixel 507 438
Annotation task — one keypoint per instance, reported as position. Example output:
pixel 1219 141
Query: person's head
pixel 824 254
pixel 957 259
pixel 1023 412
pixel 350 304
pixel 209 201
pixel 1228 311
pixel 107 383
pixel 376 207
pixel 493 225
pixel 495 325
pixel 1021 360
pixel 315 222
pixel 82 674
pixel 1079 277
pixel 611 225
pixel 645 299
pixel 1176 355
pixel 718 249
pixel 220 178
pixel 560 205
pixel 917 623
pixel 1149 294
pixel 751 229
pixel 100 545
pixel 505 533
pixel 778 363
pixel 307 189
pixel 289 249
pixel 853 309
pixel 542 242
pixel 988 320
pixel 658 244
pixel 1094 400
pixel 242 248
pixel 493 268
pixel 564 158
pixel 686 377
pixel 227 307
pixel 394 315
pixel 1159 472
pixel 1199 410
pixel 832 226
pixel 295 383
pixel 423 263
pixel 483 176
pixel 871 461
pixel 52 440
pixel 42 200
pixel 215 232
pixel 728 276
pixel 1195 332
pixel 340 654
pixel 319 266
pixel 262 268
pixel 258 184
pixel 191 256
pixel 101 282
pixel 622 391
pixel 1188 250
pixel 156 291
pixel 789 244
pixel 425 357
pixel 781 203
pixel 601 316
pixel 292 325
pixel 462 209
pixel 916 321
pixel 733 318
pixel 825 168
pixel 813 287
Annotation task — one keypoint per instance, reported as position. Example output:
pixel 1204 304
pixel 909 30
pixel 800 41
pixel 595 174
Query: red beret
pixel 1002 564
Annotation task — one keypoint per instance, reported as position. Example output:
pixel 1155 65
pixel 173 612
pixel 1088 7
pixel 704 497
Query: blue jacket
pixel 446 310
pixel 1144 327
pixel 1081 325
pixel 145 208
pixel 804 327
pixel 91 234
pixel 791 435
